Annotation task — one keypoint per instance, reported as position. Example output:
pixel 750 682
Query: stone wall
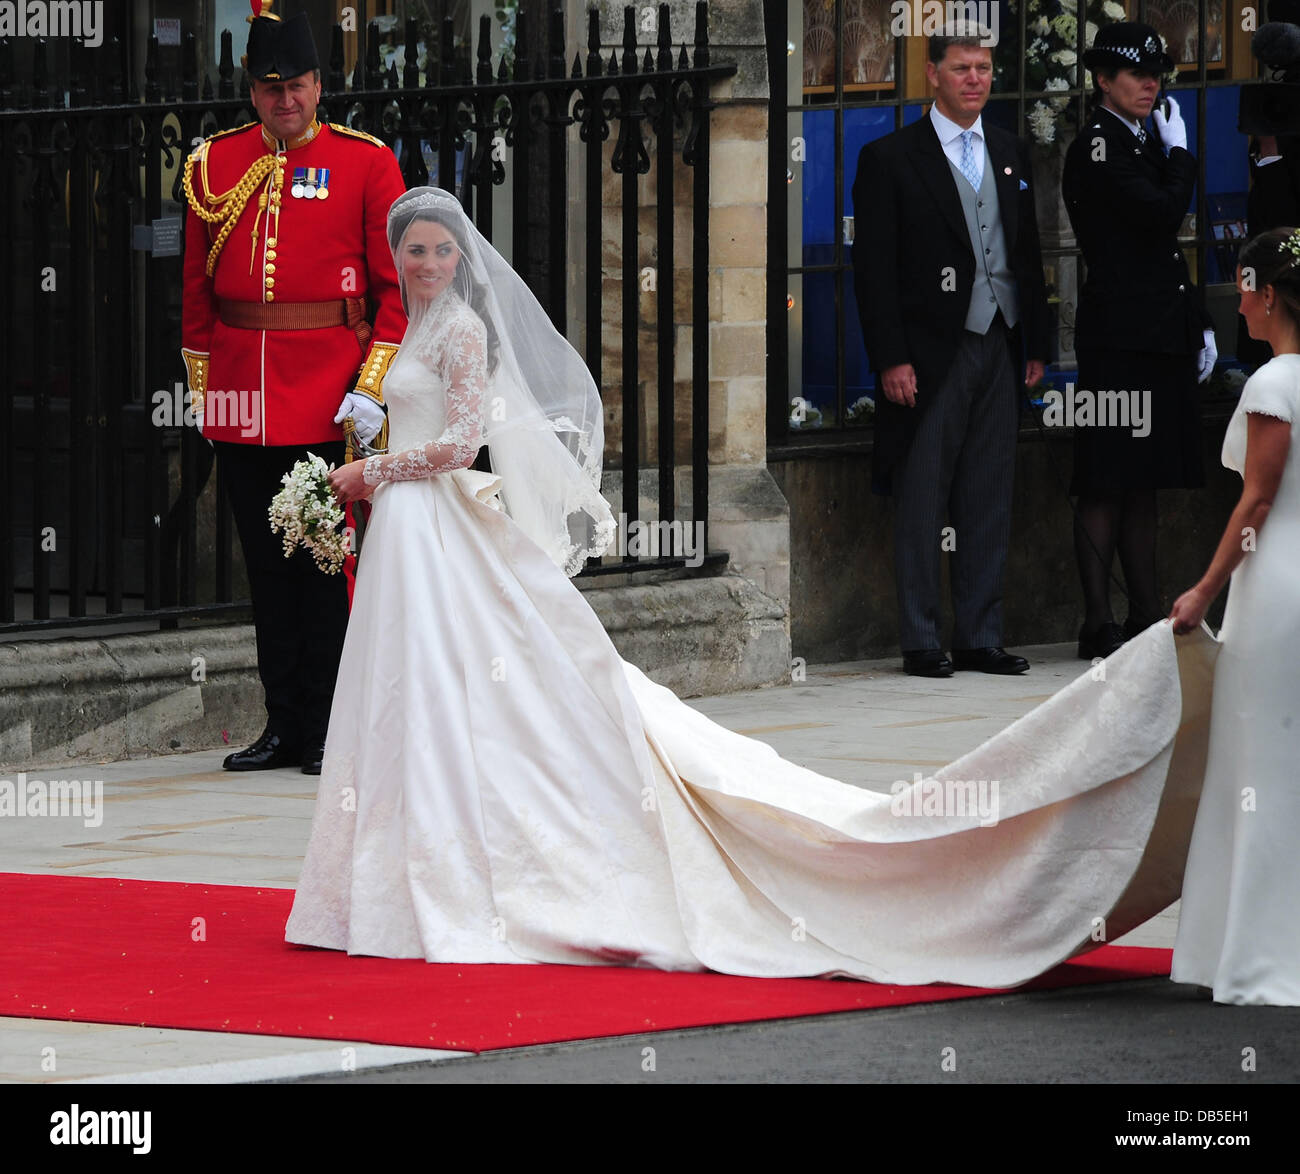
pixel 843 603
pixel 748 517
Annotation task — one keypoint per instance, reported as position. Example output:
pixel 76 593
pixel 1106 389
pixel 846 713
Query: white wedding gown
pixel 1239 923
pixel 500 786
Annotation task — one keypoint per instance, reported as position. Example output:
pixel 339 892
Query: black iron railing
pixel 103 484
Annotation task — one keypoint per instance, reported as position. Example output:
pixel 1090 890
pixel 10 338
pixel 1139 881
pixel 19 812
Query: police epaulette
pixel 357 134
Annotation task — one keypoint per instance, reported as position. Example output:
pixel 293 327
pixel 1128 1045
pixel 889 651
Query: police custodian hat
pixel 278 49
pixel 1128 44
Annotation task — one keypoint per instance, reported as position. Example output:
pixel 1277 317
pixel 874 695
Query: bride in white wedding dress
pixel 500 786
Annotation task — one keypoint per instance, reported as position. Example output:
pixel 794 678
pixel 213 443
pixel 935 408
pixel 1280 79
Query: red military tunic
pixel 284 386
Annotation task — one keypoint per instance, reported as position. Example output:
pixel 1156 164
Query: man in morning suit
pixel 285 241
pixel 950 292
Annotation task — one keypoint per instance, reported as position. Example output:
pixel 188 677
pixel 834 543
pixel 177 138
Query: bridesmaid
pixel 1237 930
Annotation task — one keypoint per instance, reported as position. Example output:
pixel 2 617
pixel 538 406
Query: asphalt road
pixel 1146 1032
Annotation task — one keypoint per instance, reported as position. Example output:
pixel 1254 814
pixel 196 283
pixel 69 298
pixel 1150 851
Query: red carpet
pixel 123 951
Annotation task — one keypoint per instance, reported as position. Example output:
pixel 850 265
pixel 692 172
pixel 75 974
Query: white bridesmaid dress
pixel 1239 923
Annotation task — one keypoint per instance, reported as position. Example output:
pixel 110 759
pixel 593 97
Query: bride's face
pixel 429 259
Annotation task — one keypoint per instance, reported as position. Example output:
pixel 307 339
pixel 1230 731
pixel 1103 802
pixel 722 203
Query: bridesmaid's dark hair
pixel 1274 259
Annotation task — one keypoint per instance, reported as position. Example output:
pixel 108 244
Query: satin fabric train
pixel 500 786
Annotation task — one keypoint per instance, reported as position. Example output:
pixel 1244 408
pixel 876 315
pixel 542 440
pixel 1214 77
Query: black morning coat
pixel 913 267
pixel 1126 202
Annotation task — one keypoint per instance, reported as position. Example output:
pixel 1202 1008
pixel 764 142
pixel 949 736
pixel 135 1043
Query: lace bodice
pixel 435 393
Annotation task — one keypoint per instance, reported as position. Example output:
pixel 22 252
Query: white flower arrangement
pixel 1042 123
pixel 309 515
pixel 859 410
pixel 804 414
pixel 1051 59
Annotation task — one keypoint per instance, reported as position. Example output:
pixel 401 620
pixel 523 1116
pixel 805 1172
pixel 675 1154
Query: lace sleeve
pixel 464 367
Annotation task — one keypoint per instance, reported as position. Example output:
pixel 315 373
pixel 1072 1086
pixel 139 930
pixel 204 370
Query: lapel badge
pixel 1006 171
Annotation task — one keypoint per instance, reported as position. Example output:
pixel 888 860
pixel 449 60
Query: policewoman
pixel 1140 327
pixel 291 319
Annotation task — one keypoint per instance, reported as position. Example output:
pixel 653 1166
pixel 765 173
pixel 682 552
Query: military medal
pixel 309 188
pixel 299 176
pixel 322 183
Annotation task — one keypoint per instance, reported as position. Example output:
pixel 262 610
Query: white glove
pixel 367 416
pixel 1205 360
pixel 1172 130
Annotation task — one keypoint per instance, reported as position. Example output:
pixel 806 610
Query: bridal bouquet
pixel 308 514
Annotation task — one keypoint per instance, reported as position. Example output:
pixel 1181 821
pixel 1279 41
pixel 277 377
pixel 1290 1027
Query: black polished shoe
pixel 313 756
pixel 1100 642
pixel 989 660
pixel 268 752
pixel 926 662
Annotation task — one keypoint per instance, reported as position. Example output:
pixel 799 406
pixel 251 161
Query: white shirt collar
pixel 947 130
pixel 1128 122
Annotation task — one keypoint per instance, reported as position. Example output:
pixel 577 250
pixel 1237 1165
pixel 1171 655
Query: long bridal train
pixel 499 786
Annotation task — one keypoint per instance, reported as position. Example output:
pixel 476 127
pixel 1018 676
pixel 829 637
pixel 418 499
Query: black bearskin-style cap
pixel 1272 107
pixel 278 50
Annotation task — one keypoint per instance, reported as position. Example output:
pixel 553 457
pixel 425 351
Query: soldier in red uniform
pixel 285 245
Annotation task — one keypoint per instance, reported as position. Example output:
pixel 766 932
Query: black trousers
pixel 959 469
pixel 300 613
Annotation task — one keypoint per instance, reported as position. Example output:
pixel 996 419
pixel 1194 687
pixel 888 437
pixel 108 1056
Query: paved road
pixel 1147 1032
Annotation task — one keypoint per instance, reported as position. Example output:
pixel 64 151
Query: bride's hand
pixel 1189 610
pixel 349 483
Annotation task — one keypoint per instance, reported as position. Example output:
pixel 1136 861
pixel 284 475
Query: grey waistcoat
pixel 995 284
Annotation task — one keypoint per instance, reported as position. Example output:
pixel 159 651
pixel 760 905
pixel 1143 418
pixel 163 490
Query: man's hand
pixel 900 384
pixel 1206 359
pixel 349 483
pixel 1034 371
pixel 1172 130
pixel 367 415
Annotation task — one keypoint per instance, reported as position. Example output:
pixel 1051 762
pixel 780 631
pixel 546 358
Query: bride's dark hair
pixel 476 297
pixel 1274 258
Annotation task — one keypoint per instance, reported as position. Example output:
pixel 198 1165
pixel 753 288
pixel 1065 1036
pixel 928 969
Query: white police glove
pixel 1172 130
pixel 1205 360
pixel 367 416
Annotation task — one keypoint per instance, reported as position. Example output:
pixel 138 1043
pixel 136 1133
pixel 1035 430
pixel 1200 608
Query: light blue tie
pixel 967 165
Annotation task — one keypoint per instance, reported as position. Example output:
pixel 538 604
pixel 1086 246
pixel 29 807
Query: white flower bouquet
pixel 309 515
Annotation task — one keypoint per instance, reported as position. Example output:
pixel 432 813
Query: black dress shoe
pixel 313 756
pixel 989 660
pixel 1100 641
pixel 927 662
pixel 268 752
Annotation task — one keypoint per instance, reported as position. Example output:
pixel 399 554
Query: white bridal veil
pixel 542 413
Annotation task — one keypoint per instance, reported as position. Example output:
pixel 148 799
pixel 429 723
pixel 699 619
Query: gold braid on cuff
pixel 196 375
pixel 370 383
